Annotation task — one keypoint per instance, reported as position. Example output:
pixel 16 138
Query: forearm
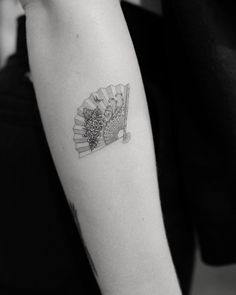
pixel 74 51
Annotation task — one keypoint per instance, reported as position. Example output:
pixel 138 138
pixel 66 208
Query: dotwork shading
pixel 102 119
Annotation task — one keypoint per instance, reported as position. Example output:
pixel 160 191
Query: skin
pixel 75 50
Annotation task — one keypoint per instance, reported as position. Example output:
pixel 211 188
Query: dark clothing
pixel 202 59
pixel 40 249
pixel 148 32
pixel 188 64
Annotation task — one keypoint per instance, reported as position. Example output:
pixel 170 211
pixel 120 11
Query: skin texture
pixel 25 2
pixel 75 50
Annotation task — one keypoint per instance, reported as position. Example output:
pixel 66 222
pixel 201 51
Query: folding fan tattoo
pixel 102 119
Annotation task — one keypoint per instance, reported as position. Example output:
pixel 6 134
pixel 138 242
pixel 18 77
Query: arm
pixel 76 49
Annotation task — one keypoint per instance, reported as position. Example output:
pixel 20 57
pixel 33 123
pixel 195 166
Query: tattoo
pixel 102 119
pixel 75 216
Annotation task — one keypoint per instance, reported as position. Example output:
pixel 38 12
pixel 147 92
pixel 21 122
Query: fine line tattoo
pixel 102 119
pixel 75 216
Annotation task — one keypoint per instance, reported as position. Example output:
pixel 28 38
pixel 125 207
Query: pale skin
pixel 75 50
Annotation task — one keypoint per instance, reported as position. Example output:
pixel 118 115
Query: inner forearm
pixel 76 51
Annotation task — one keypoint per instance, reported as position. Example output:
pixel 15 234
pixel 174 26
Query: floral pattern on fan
pixel 102 119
